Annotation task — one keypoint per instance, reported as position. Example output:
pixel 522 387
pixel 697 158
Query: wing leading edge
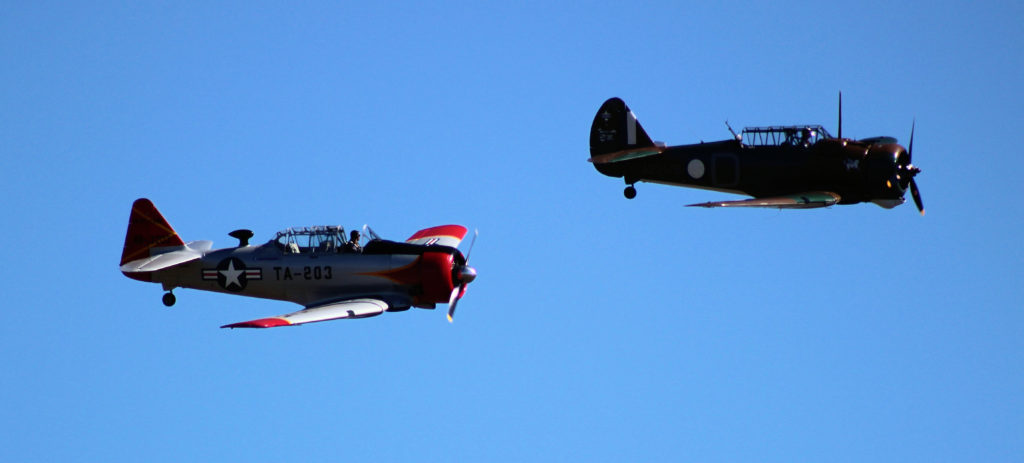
pixel 807 200
pixel 352 308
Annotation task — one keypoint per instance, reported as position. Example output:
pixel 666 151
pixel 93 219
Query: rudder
pixel 615 129
pixel 147 229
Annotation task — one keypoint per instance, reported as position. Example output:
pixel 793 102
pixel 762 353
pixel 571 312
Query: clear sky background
pixel 600 329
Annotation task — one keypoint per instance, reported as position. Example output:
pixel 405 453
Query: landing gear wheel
pixel 629 192
pixel 169 299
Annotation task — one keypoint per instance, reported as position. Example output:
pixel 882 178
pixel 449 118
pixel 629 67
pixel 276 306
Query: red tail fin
pixel 147 229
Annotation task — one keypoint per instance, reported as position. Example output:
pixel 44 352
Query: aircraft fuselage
pixel 760 171
pixel 799 166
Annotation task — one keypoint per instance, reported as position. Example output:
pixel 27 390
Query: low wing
pixel 444 235
pixel 808 200
pixel 353 308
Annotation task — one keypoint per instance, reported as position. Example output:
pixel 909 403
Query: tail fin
pixel 615 129
pixel 147 229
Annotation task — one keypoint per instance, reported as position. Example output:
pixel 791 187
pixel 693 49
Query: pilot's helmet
pixel 354 235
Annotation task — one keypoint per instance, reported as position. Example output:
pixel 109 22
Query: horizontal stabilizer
pixel 199 245
pixel 797 201
pixel 626 155
pixel 161 261
pixel 168 257
pixel 354 308
pixel 444 235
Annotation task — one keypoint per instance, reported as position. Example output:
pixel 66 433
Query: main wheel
pixel 169 299
pixel 629 192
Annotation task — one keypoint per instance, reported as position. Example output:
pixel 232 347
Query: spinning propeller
pixel 905 172
pixel 462 274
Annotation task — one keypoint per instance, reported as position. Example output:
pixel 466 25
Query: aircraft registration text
pixel 315 272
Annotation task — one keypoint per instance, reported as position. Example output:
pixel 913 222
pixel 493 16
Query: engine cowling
pixel 436 276
pixel 886 171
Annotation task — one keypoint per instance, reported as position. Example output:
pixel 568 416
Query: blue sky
pixel 599 329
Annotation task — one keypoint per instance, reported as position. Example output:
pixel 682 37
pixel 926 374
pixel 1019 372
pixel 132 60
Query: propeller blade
pixel 914 191
pixel 454 301
pixel 454 297
pixel 916 195
pixel 466 275
pixel 910 147
pixel 471 243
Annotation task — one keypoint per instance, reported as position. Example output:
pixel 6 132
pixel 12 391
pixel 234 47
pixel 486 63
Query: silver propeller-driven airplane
pixel 316 267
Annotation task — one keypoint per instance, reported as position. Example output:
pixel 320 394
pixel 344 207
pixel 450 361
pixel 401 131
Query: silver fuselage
pixel 268 272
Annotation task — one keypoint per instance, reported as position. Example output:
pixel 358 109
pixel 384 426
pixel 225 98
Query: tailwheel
pixel 169 299
pixel 629 192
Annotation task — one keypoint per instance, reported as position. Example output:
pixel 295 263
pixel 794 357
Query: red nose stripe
pixel 455 231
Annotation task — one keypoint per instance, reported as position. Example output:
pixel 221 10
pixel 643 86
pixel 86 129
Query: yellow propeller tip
pixel 449 319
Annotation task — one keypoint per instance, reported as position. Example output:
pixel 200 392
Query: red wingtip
pixel 261 323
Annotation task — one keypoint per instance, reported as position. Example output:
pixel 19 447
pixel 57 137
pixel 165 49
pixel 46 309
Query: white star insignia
pixel 231 275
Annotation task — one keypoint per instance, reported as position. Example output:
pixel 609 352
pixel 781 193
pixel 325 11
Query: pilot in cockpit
pixel 353 243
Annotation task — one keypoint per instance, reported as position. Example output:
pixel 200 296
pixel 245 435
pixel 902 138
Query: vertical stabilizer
pixel 147 229
pixel 615 129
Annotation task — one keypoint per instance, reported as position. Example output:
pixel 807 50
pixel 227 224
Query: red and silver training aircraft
pixel 315 267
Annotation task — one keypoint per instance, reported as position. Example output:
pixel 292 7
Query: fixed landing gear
pixel 629 192
pixel 169 299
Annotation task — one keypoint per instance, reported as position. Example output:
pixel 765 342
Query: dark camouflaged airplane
pixel 785 167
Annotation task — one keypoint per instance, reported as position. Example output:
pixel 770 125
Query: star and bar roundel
pixel 232 274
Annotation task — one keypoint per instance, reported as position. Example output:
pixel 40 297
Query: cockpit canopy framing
pixel 316 239
pixel 793 135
